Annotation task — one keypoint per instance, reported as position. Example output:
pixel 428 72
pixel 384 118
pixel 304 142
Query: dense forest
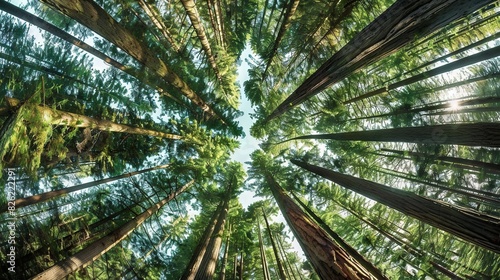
pixel 378 123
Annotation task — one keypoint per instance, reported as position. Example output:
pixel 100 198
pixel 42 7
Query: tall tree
pixel 39 22
pixel 57 117
pixel 467 163
pixel 222 274
pixel 475 58
pixel 290 11
pixel 157 20
pixel 385 35
pixel 279 261
pixel 328 259
pixel 194 16
pixel 22 202
pixel 467 134
pixel 86 12
pixel 209 262
pixel 263 259
pixel 474 227
pixel 101 246
pixel 350 250
pixel 200 250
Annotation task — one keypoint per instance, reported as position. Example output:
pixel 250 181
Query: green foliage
pixel 74 81
pixel 27 134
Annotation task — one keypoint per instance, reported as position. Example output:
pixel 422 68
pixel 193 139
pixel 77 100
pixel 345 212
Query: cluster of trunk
pixel 97 19
pixel 398 26
pixel 290 11
pixel 469 225
pixel 104 244
pixel 34 199
pixel 205 255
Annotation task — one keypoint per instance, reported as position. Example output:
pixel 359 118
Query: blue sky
pixel 248 144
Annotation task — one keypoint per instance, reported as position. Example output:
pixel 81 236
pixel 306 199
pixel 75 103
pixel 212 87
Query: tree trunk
pixel 41 68
pixel 235 266
pixel 473 164
pixel 42 24
pixel 443 105
pixel 222 275
pixel 475 58
pixel 290 11
pixel 240 270
pixel 207 267
pixel 331 14
pixel 157 20
pixel 101 246
pixel 395 28
pixel 350 250
pixel 265 269
pixel 68 239
pixel 215 28
pixel 466 134
pixel 56 31
pixel 56 117
pixel 34 199
pixel 346 11
pixel 289 271
pixel 266 3
pixel 200 250
pixel 471 226
pixel 220 18
pixel 98 20
pixel 437 183
pixel 453 53
pixel 328 259
pixel 281 269
pixel 408 247
pixel 468 192
pixel 194 16
pixel 465 26
pixel 476 110
pixel 143 258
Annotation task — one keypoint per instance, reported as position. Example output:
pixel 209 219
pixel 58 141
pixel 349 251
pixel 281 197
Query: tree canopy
pixel 378 125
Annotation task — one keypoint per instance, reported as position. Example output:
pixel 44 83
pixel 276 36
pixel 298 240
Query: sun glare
pixel 454 105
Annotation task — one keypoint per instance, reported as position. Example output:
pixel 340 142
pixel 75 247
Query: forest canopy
pixel 121 132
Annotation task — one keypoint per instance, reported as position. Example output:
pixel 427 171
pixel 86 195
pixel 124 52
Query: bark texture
pixel 466 134
pixel 207 267
pixel 328 259
pixel 88 13
pixel 201 248
pixel 56 117
pixel 21 202
pixel 396 27
pixel 471 226
pixel 355 254
pixel 101 246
